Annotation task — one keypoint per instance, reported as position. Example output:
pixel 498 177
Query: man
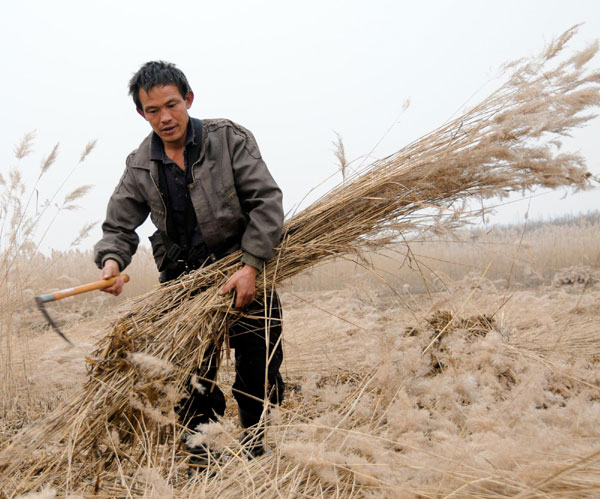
pixel 209 193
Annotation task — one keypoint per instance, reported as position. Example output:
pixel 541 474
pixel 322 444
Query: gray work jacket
pixel 236 201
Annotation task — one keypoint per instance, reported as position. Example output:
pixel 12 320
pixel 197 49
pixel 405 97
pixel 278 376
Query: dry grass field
pixel 421 380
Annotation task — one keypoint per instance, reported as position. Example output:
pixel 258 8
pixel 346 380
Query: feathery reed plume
pixel 83 233
pixel 48 161
pixel 340 154
pixel 76 194
pixel 87 150
pixel 25 147
pixel 503 144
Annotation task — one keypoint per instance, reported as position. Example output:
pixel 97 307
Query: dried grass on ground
pixel 107 437
pixel 509 400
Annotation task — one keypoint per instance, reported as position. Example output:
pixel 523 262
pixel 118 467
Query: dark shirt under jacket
pixel 181 220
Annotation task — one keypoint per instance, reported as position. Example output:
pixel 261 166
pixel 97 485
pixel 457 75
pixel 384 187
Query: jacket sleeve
pixel 260 198
pixel 125 212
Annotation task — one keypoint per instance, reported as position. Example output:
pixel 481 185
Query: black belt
pixel 187 259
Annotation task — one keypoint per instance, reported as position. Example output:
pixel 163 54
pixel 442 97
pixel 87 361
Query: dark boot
pixel 205 401
pixel 201 458
pixel 253 437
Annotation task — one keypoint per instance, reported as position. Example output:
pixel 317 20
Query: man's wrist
pixel 250 268
pixel 253 261
pixel 116 258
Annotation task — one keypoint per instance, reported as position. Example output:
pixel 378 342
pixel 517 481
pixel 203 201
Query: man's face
pixel 166 111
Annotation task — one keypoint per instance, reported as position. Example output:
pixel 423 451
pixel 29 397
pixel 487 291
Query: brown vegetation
pixel 439 410
pixel 506 396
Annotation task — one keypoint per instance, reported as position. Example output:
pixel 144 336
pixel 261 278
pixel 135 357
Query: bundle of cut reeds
pixel 124 416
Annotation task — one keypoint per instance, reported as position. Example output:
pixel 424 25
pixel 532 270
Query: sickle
pixel 64 293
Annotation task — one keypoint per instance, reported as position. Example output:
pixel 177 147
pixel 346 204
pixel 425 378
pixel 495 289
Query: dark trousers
pixel 258 357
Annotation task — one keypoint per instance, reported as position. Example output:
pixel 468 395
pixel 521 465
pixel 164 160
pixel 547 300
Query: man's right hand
pixel 111 269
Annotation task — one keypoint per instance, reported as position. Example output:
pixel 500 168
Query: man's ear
pixel 140 112
pixel 189 98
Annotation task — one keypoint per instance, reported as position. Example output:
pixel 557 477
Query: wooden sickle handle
pixel 84 288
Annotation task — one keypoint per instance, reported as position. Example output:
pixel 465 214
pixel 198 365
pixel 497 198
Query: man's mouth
pixel 169 129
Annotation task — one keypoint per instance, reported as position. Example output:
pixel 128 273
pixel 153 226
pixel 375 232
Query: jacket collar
pixel 157 148
pixel 144 158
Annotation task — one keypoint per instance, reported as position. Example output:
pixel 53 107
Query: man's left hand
pixel 244 283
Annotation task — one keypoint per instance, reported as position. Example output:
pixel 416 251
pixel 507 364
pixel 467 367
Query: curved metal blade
pixel 41 306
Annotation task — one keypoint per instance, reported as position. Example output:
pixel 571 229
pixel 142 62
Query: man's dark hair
pixel 157 73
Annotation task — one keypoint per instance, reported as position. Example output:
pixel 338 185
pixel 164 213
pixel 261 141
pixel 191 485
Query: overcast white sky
pixel 290 72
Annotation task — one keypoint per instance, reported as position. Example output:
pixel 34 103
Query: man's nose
pixel 165 116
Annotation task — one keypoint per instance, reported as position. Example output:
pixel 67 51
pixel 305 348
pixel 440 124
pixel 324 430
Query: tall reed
pixel 25 221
